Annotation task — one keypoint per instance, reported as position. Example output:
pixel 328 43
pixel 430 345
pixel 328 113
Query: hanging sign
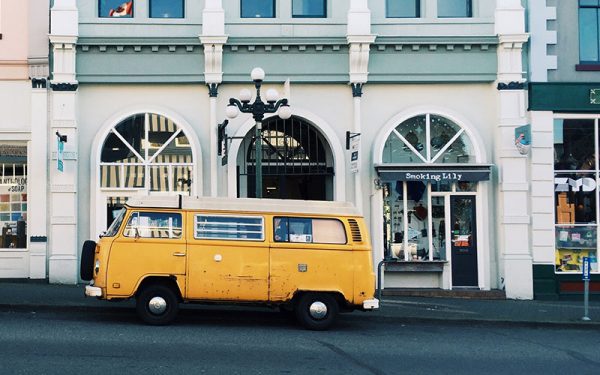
pixel 59 157
pixel 353 144
pixel 523 139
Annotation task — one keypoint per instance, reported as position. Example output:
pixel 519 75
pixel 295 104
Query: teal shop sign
pixel 60 151
pixel 59 157
pixel 595 96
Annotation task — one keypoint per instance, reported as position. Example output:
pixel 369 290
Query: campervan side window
pixel 307 230
pixel 224 227
pixel 153 225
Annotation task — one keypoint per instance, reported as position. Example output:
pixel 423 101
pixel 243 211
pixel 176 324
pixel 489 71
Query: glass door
pixel 463 241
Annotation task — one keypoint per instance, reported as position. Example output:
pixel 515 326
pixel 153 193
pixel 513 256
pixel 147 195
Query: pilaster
pixel 63 232
pixel 38 151
pixel 514 224
pixel 213 38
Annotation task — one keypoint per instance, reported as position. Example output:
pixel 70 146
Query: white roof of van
pixel 246 205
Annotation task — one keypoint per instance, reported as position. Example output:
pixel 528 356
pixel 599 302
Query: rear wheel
pixel 316 311
pixel 86 268
pixel 157 305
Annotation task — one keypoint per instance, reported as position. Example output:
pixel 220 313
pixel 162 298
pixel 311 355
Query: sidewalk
pixel 42 296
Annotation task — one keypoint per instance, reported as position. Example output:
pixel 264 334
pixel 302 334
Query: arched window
pixel 148 152
pixel 428 138
pixel 297 161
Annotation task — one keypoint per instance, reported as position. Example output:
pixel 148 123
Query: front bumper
pixel 93 291
pixel 371 304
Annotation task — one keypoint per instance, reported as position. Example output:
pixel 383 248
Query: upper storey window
pixel 115 8
pixel 454 8
pixel 258 8
pixel 589 33
pixel 402 8
pixel 166 8
pixel 309 8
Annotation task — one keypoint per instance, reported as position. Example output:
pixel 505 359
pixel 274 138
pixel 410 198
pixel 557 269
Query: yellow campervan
pixel 312 258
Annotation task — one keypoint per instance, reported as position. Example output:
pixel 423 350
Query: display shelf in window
pixel 576 237
pixel 571 260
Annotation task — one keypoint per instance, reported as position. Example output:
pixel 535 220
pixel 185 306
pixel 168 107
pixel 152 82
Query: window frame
pixel 591 65
pixel 171 1
pixel 417 10
pixel 261 224
pixel 138 213
pixel 288 235
pixel 569 236
pixel 323 14
pixel 274 15
pixel 469 10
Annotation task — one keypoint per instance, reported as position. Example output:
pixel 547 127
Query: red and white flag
pixel 123 10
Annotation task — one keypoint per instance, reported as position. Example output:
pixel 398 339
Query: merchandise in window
pixel 258 8
pixel 309 8
pixel 13 196
pixel 166 9
pixel 575 193
pixel 402 8
pixel 454 8
pixel 589 31
pixel 115 8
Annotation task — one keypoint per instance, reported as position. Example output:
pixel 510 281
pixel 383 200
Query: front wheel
pixel 316 311
pixel 157 305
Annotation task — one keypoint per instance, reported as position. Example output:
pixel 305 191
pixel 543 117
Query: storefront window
pixel 575 193
pixel 424 169
pixel 13 196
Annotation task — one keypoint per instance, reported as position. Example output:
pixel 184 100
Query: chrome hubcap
pixel 318 310
pixel 157 305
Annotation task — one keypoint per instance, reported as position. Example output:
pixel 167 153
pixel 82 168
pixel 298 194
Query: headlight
pixel 97 266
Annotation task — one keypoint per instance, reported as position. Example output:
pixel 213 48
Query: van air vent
pixel 356 236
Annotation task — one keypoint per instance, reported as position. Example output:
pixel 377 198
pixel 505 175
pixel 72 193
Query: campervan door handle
pixel 178 254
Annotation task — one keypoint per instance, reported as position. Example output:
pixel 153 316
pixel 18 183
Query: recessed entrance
pixel 297 162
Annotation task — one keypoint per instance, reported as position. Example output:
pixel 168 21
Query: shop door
pixel 464 241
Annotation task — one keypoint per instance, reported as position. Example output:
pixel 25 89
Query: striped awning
pixel 160 123
pixel 131 174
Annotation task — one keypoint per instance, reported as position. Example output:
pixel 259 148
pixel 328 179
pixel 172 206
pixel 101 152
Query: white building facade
pixel 427 96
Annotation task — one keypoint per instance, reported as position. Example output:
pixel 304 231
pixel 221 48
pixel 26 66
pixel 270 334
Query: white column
pixel 63 245
pixel 359 39
pixel 38 172
pixel 213 38
pixel 514 224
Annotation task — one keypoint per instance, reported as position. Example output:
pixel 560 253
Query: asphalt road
pixel 216 340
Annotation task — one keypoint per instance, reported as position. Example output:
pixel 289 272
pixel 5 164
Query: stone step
pixel 441 293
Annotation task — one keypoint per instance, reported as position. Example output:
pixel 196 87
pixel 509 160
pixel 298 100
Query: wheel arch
pixel 170 281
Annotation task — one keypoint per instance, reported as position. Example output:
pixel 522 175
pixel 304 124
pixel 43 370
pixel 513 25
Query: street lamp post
pixel 258 110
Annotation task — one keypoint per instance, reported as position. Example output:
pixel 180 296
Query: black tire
pixel 157 305
pixel 86 269
pixel 316 323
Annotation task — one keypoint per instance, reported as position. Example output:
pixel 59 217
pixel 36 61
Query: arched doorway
pixel 297 162
pixel 144 154
pixel 430 173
